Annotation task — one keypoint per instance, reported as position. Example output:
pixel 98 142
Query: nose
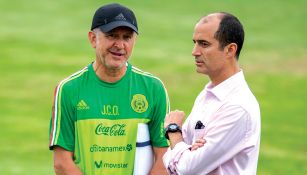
pixel 119 43
pixel 195 50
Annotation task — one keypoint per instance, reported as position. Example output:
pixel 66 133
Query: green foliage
pixel 44 41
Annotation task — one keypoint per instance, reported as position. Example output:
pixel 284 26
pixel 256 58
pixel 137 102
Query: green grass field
pixel 44 41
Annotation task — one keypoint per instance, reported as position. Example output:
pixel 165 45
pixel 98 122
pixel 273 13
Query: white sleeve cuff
pixel 172 156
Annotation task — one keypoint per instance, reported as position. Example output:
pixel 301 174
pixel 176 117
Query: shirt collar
pixel 223 89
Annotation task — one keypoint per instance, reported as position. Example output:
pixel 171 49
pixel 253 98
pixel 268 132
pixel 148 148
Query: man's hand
pixel 174 117
pixel 198 144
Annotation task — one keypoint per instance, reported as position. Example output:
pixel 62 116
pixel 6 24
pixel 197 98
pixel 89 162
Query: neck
pixel 224 74
pixel 107 74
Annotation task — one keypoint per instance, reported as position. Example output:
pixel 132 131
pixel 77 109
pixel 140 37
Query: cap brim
pixel 115 24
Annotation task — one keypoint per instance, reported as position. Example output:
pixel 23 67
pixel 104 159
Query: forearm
pixel 221 143
pixel 67 169
pixel 158 167
pixel 174 138
pixel 63 162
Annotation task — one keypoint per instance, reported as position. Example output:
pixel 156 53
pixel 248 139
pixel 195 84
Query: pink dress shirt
pixel 231 115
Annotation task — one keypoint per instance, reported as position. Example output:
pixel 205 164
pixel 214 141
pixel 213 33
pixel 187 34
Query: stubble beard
pixel 107 66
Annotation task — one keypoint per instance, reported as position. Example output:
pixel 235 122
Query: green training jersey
pixel 98 120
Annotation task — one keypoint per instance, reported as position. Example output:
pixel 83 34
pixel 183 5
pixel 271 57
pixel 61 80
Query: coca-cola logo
pixel 114 130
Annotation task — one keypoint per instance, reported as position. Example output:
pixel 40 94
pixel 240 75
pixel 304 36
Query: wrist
pixel 172 128
pixel 174 138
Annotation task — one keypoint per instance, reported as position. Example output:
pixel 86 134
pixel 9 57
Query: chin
pixel 201 71
pixel 118 66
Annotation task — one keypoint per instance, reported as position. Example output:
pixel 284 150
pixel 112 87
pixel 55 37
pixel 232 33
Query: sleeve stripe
pixel 56 114
pixel 52 118
pixel 168 106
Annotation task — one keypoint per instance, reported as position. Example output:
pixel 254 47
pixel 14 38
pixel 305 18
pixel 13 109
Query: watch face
pixel 173 127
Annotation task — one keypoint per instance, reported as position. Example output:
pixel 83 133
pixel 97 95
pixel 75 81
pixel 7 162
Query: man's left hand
pixel 174 117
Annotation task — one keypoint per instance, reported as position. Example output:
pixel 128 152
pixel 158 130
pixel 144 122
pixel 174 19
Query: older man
pixel 97 110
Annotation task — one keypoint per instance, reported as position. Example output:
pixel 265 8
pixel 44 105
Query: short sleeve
pixel 160 108
pixel 62 129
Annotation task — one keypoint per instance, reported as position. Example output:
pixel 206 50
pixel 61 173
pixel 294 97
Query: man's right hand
pixel 198 144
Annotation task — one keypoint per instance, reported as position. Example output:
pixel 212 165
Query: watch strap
pixel 172 127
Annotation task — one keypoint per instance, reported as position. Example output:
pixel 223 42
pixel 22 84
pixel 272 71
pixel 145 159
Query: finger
pixel 193 148
pixel 167 116
pixel 198 144
pixel 203 141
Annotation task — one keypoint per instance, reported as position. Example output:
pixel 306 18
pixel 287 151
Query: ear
pixel 135 36
pixel 92 38
pixel 231 50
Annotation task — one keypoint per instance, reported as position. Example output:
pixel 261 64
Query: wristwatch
pixel 172 127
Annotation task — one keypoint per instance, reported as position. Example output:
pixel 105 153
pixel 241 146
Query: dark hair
pixel 230 31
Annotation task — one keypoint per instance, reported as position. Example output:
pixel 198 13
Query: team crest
pixel 139 103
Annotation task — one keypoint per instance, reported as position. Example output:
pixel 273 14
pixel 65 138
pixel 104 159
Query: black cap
pixel 114 15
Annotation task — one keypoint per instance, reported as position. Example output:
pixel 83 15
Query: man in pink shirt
pixel 221 136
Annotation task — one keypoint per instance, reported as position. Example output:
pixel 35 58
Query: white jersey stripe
pixel 57 103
